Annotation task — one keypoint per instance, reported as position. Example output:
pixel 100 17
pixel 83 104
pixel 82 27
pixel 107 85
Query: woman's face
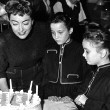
pixel 90 53
pixel 60 33
pixel 21 25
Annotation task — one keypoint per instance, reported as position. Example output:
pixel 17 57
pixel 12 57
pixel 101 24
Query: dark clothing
pixel 73 13
pixel 99 93
pixel 40 11
pixel 65 68
pixel 20 59
pixel 60 90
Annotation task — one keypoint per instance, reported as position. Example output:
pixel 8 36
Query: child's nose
pixel 83 54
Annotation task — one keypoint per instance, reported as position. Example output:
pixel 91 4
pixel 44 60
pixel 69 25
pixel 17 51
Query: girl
pixel 64 66
pixel 96 44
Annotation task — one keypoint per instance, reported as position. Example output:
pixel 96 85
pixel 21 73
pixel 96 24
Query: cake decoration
pixel 20 100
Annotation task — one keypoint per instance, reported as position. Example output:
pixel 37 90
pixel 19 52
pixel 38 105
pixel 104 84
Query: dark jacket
pixel 66 67
pixel 99 93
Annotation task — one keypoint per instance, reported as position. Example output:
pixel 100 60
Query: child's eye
pixel 15 24
pixel 53 33
pixel 87 52
pixel 60 32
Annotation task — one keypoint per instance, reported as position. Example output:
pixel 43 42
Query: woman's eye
pixel 14 23
pixel 26 23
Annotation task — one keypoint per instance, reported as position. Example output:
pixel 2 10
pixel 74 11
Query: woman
pixel 21 48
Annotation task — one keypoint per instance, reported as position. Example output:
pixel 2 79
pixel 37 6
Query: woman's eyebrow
pixel 26 20
pixel 23 21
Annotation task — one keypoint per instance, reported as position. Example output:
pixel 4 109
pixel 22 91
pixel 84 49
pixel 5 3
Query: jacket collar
pixel 68 42
pixel 103 66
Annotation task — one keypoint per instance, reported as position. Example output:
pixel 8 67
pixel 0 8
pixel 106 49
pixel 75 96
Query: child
pixel 96 44
pixel 65 68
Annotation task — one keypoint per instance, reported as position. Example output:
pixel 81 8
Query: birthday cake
pixel 20 100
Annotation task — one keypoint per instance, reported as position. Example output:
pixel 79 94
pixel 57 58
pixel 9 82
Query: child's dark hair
pixel 99 37
pixel 61 17
pixel 20 7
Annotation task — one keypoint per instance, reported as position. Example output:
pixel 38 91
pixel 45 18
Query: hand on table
pixel 59 103
pixel 80 100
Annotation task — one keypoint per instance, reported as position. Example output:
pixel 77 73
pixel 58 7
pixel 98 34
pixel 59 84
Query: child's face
pixel 90 53
pixel 72 1
pixel 60 32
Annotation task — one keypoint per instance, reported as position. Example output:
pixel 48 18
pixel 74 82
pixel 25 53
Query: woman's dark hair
pixel 19 7
pixel 61 17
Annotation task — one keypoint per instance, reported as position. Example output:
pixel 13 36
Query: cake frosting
pixel 19 100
